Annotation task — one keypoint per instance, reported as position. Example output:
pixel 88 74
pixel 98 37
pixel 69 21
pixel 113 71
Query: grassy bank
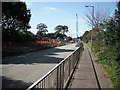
pixel 106 58
pixel 113 72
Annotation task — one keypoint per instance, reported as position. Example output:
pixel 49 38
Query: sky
pixel 64 13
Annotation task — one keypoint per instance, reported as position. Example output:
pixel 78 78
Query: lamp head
pixel 86 6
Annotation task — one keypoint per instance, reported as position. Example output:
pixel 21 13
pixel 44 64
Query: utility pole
pixel 77 26
pixel 92 22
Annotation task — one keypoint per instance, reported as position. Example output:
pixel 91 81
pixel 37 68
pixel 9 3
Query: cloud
pixel 50 8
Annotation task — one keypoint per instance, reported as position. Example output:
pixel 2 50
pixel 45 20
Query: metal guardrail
pixel 59 76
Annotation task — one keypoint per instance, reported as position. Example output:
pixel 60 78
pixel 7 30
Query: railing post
pixel 57 78
pixel 60 76
pixel 42 84
pixel 69 65
pixel 63 76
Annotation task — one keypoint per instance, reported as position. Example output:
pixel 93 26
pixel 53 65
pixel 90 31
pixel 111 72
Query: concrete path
pixel 21 71
pixel 84 76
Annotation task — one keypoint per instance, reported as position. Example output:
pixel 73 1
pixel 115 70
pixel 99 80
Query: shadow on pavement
pixel 8 83
pixel 42 56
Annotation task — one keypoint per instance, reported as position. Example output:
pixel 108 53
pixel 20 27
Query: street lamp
pixel 77 26
pixel 92 21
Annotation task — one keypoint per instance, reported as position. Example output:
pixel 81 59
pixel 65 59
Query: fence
pixel 59 76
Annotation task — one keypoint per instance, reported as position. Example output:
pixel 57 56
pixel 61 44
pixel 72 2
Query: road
pixel 21 71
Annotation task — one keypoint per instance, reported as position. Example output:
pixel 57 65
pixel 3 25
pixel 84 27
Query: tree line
pixel 15 24
pixel 106 43
pixel 60 31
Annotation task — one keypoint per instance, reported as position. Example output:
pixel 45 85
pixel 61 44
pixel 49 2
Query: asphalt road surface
pixel 21 71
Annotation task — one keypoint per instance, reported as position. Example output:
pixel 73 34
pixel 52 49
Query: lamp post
pixel 92 21
pixel 77 26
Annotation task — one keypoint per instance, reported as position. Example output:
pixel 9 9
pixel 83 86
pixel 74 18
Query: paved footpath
pixel 84 76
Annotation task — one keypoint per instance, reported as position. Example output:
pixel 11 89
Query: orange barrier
pixel 47 43
pixel 56 43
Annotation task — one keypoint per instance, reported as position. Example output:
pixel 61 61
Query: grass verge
pixel 111 66
pixel 113 72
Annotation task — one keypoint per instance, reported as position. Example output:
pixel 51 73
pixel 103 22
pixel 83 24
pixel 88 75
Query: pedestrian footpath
pixel 89 73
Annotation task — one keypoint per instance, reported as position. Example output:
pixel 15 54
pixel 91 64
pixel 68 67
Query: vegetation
pixel 15 25
pixel 106 45
pixel 96 18
pixel 15 35
pixel 61 29
pixel 15 18
pixel 42 29
pixel 58 35
pixel 60 32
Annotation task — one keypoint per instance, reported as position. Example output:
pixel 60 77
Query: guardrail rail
pixel 59 76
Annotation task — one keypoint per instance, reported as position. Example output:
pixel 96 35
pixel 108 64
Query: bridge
pixel 71 68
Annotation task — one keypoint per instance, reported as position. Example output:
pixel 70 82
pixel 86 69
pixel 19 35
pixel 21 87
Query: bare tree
pixel 98 17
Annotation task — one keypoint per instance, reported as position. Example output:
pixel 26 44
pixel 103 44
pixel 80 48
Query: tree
pixel 113 32
pixel 69 38
pixel 117 25
pixel 60 32
pixel 42 29
pixel 61 29
pixel 51 35
pixel 65 29
pixel 109 53
pixel 24 36
pixel 86 36
pixel 97 18
pixel 110 32
pixel 15 16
